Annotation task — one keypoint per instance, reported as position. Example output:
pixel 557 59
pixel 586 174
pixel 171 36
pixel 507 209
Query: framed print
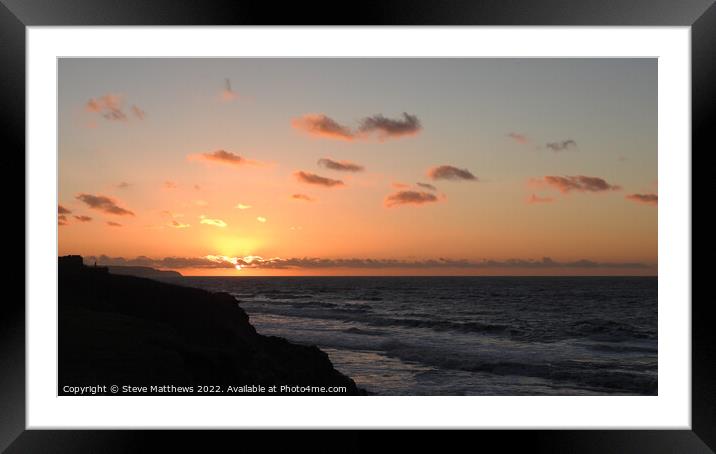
pixel 476 216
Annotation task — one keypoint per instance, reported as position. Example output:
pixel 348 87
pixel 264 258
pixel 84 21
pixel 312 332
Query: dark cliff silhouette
pixel 144 271
pixel 126 330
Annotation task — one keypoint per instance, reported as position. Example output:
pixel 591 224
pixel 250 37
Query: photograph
pixel 357 226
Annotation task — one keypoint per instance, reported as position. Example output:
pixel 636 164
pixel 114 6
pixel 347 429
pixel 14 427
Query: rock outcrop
pixel 130 331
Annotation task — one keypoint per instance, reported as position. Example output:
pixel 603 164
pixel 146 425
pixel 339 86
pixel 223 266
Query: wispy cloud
pixel 320 125
pixel 578 183
pixel 104 204
pixel 534 198
pixel 169 185
pixel 409 198
pixel 518 137
pixel 261 219
pixel 62 220
pixel 123 185
pixel 214 222
pixel 303 197
pixel 63 210
pixel 427 186
pixel 446 172
pixel 138 113
pixel 341 166
pixel 83 218
pixel 178 225
pixel 562 145
pixel 257 262
pixel 647 199
pixel 242 206
pixel 222 157
pixel 110 108
pixel 114 224
pixel 228 94
pixel 312 178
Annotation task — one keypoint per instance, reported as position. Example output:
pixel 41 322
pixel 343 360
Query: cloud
pixel 302 197
pixel 563 145
pixel 110 108
pixel 137 112
pixel 62 220
pixel 123 185
pixel 312 178
pixel 341 166
pixel 104 204
pixel 178 225
pixel 169 185
pixel 446 172
pixel 537 199
pixel 409 198
pixel 320 125
pixel 201 203
pixel 399 185
pixel 427 186
pixel 261 219
pixel 83 218
pixel 387 127
pixel 517 137
pixel 214 222
pixel 242 206
pixel 222 157
pixel 579 183
pixel 648 199
pixel 63 210
pixel 257 262
pixel 114 224
pixel 227 94
pixel 171 214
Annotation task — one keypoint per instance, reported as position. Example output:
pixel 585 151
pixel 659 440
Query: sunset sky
pixel 360 166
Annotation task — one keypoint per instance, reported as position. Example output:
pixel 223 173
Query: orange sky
pixel 328 167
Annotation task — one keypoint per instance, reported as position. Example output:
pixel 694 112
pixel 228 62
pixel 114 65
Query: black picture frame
pixel 16 15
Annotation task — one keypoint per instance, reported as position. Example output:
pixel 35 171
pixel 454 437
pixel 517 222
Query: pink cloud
pixel 378 126
pixel 537 199
pixel 320 125
pixel 340 166
pixel 409 198
pixel 312 178
pixel 578 183
pixel 110 107
pixel 446 172
pixel 303 197
pixel 647 199
pixel 519 138
pixel 223 157
pixel 104 204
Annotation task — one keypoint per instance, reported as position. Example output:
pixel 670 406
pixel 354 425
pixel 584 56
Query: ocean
pixel 466 335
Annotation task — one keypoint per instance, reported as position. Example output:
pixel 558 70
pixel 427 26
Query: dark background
pixel 15 15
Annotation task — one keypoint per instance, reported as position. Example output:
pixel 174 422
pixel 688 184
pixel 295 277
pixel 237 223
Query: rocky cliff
pixel 130 331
